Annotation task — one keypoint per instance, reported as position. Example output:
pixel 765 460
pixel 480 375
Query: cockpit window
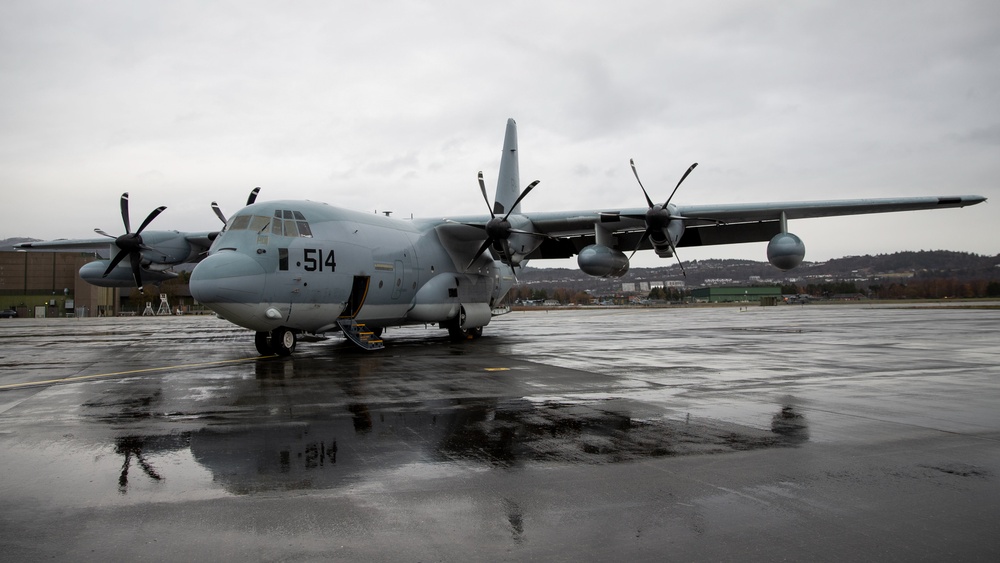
pixel 259 223
pixel 240 223
pixel 290 224
pixel 284 223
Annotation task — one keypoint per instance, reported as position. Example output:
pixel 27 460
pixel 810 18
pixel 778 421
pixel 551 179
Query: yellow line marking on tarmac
pixel 76 378
pixel 497 369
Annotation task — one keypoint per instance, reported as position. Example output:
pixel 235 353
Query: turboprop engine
pixel 599 260
pixel 785 251
pixel 94 274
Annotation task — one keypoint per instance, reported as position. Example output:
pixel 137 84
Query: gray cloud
pixel 400 103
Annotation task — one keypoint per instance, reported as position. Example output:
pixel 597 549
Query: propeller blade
pixel 124 206
pixel 482 188
pixel 136 259
pixel 507 252
pixel 100 232
pixel 152 215
pixel 636 174
pixel 526 191
pixel 690 168
pixel 114 262
pixel 253 196
pixel 673 249
pixel 482 249
pixel 218 213
pixel 638 245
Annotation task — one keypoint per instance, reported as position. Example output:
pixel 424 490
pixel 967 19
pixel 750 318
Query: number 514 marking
pixel 313 260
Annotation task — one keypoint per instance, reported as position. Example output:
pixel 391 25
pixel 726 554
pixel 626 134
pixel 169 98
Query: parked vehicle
pixel 8 314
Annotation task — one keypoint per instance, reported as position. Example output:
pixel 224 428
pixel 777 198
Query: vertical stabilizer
pixel 508 182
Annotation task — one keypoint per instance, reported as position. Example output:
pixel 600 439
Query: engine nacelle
pixel 602 261
pixel 785 251
pixel 121 276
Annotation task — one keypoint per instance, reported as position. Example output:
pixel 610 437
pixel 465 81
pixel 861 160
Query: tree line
pixel 934 288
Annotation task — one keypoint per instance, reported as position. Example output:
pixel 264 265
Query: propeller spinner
pixel 130 244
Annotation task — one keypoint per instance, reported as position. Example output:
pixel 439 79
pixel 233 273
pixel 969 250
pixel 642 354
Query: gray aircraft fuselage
pixel 303 265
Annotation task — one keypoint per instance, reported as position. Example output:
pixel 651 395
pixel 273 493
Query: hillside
pixel 868 269
pixel 8 244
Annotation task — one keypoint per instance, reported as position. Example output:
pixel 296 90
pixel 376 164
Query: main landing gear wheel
pixel 457 334
pixel 280 341
pixel 262 341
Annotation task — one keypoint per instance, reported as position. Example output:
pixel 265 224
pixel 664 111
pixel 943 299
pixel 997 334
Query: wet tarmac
pixel 766 433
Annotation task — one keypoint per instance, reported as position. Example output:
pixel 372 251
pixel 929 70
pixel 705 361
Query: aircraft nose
pixel 227 277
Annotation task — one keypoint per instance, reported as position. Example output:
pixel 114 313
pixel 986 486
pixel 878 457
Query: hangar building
pixel 736 294
pixel 48 284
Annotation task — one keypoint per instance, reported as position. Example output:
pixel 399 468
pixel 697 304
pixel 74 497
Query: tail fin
pixel 509 180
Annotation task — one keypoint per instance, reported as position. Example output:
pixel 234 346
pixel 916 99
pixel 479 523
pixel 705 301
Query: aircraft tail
pixel 508 181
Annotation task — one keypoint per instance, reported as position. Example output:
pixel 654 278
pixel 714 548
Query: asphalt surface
pixel 766 433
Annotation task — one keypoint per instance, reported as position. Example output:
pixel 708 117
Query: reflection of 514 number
pixel 314 259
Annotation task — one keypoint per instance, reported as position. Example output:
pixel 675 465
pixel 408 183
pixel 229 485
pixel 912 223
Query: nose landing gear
pixel 280 341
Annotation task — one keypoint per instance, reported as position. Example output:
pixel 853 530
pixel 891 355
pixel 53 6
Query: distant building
pixel 735 294
pixel 628 287
pixel 48 283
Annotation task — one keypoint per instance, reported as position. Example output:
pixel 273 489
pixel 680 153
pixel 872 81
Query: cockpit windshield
pixel 284 223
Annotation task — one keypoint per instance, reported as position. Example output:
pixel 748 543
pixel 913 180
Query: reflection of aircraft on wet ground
pixel 309 428
pixel 323 450
pixel 288 268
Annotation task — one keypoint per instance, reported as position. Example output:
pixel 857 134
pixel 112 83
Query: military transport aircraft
pixel 286 269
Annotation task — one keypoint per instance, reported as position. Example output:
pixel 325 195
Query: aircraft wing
pixel 716 223
pixel 192 245
pixel 95 244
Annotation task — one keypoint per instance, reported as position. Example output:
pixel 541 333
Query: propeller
pixel 658 217
pixel 498 229
pixel 130 244
pixel 218 210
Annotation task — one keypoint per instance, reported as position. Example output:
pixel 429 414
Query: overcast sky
pixel 397 105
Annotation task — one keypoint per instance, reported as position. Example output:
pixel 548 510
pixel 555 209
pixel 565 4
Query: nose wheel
pixel 280 341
